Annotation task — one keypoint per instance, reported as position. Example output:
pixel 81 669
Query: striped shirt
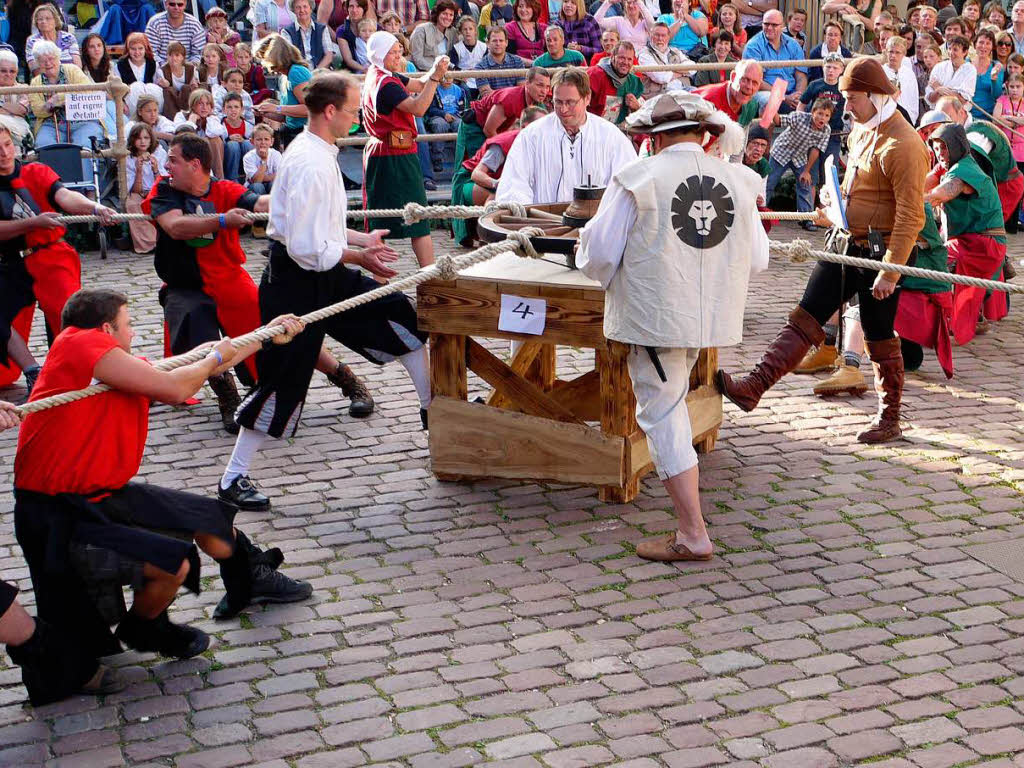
pixel 190 34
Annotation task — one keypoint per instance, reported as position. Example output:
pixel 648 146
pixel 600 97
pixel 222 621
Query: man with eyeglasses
pixel 564 150
pixel 171 25
pixel 772 45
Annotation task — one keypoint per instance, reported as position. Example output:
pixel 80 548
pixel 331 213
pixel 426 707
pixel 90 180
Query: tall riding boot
pixel 236 573
pixel 224 388
pixel 782 356
pixel 887 362
pixel 54 667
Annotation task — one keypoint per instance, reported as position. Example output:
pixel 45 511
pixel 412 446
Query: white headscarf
pixel 378 46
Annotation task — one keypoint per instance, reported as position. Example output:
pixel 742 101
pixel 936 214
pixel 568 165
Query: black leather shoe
pixel 243 494
pixel 160 635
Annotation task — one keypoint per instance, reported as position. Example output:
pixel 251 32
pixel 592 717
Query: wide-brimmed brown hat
pixel 866 75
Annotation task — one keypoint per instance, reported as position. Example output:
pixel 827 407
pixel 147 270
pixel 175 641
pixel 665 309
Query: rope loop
pixel 798 250
pixel 413 213
pixel 524 246
pixel 446 268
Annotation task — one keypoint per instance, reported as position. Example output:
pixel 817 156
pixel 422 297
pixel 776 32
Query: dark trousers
pixel 826 292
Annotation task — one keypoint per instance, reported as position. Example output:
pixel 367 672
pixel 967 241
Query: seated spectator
pixel 721 54
pixel 147 111
pixel 772 45
pixel 173 25
pixel 212 68
pixel 756 151
pixel 1014 65
pixel 971 13
pixel 255 79
pixel 928 55
pixel 557 55
pixel 497 57
pixel 366 29
pixel 312 38
pixel 468 52
pixel 139 72
pixel 411 12
pixel 828 88
pixel 832 42
pixel 218 31
pixel 49 26
pixel 804 137
pixel 955 27
pixel 290 114
pixel 582 32
pixel 260 164
pixel 609 41
pixel 899 70
pixel 234 82
pixel 428 41
pixel 145 163
pixel 874 45
pixel 202 119
pixel 495 14
pixel 96 64
pixel 442 116
pixel 237 133
pixel 52 125
pixel 122 17
pixel 615 92
pixel 13 107
pixel 180 79
pixel 659 52
pixel 634 24
pixel 928 19
pixel 796 20
pixel 995 13
pixel 729 18
pixel 953 77
pixel 348 33
pixel 332 14
pixel 269 17
pixel 526 32
pixel 688 28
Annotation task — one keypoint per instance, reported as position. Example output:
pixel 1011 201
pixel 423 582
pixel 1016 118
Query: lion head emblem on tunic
pixel 702 212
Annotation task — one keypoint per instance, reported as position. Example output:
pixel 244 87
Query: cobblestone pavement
pixel 844 620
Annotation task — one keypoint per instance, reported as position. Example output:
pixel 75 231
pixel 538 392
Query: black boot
pixel 236 574
pixel 179 641
pixel 31 374
pixel 53 668
pixel 265 584
pixel 360 401
pixel 224 388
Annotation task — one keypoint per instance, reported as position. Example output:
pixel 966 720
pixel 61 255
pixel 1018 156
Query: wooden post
pixel 118 90
pixel 448 366
pixel 703 374
pixel 618 412
pixel 542 372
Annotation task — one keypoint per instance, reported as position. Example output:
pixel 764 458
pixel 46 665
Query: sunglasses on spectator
pixel 770 24
pixel 1007 43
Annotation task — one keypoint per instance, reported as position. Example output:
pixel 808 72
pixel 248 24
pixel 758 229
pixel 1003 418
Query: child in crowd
pixel 146 160
pixel 212 67
pixel 181 79
pixel 218 31
pixel 827 87
pixel 203 121
pixel 260 167
pixel 1010 109
pixel 467 53
pixel 804 139
pixel 237 132
pixel 234 82
pixel 495 14
pixel 147 111
pixel 1014 66
pixel 255 78
pixel 365 28
pixel 443 117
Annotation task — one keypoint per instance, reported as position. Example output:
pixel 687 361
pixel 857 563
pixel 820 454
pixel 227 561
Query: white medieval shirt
pixel 674 243
pixel 545 163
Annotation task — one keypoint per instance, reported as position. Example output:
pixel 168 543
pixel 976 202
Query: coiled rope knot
pixel 516 209
pixel 446 268
pixel 798 250
pixel 413 213
pixel 524 246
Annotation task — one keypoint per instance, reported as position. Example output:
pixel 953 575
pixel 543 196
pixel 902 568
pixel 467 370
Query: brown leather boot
pixel 887 362
pixel 224 388
pixel 782 356
pixel 360 401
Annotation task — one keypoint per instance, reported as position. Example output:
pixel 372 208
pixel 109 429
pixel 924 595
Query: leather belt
pixel 25 253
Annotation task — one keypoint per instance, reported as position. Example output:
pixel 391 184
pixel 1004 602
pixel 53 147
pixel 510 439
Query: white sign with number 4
pixel 522 315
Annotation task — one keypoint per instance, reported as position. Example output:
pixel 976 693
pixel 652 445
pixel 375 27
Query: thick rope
pixel 410 214
pixel 800 251
pixel 446 268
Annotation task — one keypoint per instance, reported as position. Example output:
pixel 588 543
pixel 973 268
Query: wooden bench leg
pixel 618 411
pixel 448 375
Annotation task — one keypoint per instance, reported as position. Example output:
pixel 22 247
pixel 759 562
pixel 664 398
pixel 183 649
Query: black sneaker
pixel 243 494
pixel 271 586
pixel 160 635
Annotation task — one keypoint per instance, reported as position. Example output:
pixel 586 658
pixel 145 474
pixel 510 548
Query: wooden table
pixel 534 426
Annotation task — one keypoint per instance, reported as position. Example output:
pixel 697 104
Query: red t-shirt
pixel 512 100
pixel 88 446
pixel 718 95
pixel 239 131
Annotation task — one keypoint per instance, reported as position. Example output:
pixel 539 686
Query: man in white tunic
pixel 674 243
pixel 567 149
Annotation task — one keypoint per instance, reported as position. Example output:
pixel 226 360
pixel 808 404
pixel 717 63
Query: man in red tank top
pixel 33 252
pixel 86 529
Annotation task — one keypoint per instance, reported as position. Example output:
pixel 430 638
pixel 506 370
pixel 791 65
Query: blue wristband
pixel 223 221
